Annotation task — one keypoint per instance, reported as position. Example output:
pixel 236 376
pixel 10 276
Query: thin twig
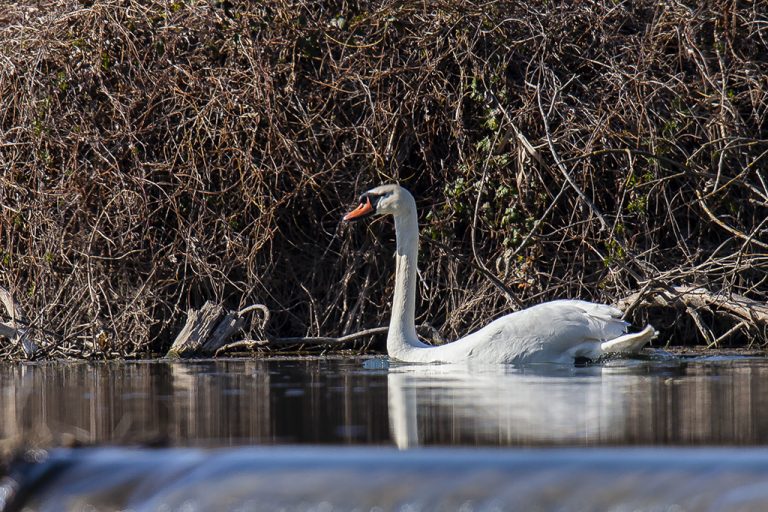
pixel 559 163
pixel 295 340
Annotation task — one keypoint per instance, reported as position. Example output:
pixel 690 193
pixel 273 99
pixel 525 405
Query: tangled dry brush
pixel 157 154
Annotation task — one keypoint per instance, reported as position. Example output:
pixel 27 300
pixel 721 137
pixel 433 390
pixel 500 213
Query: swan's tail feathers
pixel 629 343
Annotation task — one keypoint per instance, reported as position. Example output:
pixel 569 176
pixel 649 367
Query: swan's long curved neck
pixel 402 326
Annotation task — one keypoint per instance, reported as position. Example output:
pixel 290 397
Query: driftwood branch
pixel 253 307
pixel 698 297
pixel 14 330
pixel 300 340
pixel 747 312
pixel 427 331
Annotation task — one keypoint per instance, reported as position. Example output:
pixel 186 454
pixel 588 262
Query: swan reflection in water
pixel 350 401
pixel 533 405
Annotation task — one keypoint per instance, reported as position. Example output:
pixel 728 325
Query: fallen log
pixel 747 313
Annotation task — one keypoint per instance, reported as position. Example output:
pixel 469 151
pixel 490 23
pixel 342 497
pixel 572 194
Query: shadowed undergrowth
pixel 158 154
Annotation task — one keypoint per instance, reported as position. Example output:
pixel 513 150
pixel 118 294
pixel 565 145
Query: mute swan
pixel 553 332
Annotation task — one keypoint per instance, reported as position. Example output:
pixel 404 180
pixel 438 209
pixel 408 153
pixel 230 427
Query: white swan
pixel 554 332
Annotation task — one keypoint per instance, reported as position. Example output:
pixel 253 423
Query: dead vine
pixel 155 155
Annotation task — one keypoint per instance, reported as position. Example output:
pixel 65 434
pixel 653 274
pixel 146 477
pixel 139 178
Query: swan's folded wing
pixel 554 331
pixel 549 332
pixel 605 322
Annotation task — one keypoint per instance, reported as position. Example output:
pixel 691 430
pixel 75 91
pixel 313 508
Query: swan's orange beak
pixel 365 209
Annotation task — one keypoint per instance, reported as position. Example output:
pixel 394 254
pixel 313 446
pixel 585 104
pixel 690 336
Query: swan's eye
pixel 373 198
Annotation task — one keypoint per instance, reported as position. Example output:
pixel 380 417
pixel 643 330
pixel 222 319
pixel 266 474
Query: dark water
pixel 623 435
pixel 718 401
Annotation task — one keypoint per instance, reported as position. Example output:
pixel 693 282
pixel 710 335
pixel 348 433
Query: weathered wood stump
pixel 16 329
pixel 207 329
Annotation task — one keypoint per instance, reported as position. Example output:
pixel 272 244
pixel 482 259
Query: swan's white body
pixel 553 332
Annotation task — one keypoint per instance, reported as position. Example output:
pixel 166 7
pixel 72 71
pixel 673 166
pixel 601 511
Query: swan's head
pixel 383 200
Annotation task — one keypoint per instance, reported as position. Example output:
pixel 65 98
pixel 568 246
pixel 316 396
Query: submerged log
pixel 16 329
